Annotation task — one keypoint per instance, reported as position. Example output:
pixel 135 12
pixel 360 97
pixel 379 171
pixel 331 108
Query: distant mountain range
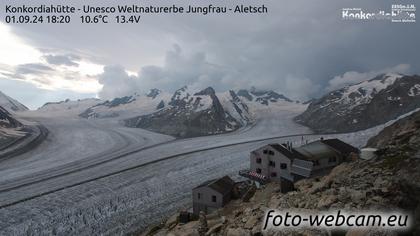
pixel 68 107
pixel 188 112
pixel 363 105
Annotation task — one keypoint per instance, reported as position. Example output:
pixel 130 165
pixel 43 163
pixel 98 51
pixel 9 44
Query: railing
pixel 254 176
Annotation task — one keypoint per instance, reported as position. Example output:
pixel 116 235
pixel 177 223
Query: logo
pixel 399 13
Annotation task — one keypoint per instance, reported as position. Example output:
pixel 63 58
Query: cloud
pixel 116 82
pixel 54 77
pixel 46 69
pixel 195 71
pixel 32 68
pixel 353 77
pixel 296 42
pixel 14 50
pixel 179 69
pixel 300 88
pixel 68 60
pixel 182 69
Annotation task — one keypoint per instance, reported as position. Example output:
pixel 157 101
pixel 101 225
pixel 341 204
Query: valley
pixel 147 184
pixel 96 174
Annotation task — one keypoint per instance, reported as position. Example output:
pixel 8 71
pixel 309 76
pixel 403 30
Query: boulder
pixel 326 201
pixel 237 232
pixel 172 221
pixel 215 229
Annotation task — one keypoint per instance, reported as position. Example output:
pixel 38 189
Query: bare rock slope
pixel 364 105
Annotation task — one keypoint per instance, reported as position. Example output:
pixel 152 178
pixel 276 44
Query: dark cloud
pixel 178 70
pixel 297 48
pixel 32 68
pixel 68 60
pixel 181 69
pixel 197 72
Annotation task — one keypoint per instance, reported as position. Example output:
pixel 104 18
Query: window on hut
pixel 283 166
pixel 213 198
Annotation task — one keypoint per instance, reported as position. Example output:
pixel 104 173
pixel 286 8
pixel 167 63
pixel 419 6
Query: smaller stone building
pixel 212 194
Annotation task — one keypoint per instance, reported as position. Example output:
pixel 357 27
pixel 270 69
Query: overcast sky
pixel 300 48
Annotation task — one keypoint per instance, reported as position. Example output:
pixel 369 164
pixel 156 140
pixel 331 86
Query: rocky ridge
pixel 11 104
pixel 363 105
pixel 188 115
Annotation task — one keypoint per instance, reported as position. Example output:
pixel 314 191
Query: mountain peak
pixel 153 93
pixel 262 96
pixel 207 91
pixel 244 93
pixel 11 104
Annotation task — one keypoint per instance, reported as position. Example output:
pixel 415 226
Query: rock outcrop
pixel 7 120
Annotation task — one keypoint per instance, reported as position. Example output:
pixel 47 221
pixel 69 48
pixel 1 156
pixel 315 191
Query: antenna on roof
pixel 289 145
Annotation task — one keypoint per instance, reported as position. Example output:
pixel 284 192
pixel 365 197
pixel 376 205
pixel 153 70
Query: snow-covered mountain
pixel 235 102
pixel 129 106
pixel 68 107
pixel 11 104
pixel 194 112
pixel 188 114
pixel 263 97
pixel 363 105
